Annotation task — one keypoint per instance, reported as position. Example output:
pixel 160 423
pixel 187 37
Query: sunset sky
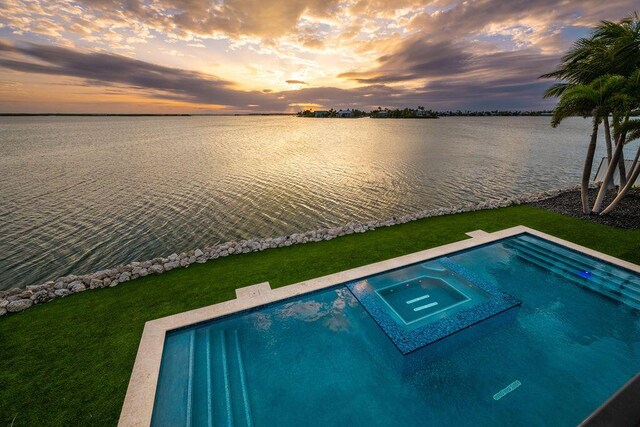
pixel 202 56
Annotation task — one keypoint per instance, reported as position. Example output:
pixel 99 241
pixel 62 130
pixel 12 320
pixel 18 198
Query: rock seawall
pixel 20 299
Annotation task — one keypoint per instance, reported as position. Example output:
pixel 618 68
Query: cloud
pixel 272 18
pixel 106 70
pixel 415 58
pixel 438 53
pixel 98 68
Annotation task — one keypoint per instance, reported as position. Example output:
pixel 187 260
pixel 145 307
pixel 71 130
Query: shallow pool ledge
pixel 138 404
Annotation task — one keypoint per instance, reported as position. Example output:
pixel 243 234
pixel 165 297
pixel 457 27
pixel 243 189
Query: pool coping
pixel 138 404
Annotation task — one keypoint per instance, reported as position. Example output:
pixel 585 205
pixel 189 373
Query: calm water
pixel 321 359
pixel 81 194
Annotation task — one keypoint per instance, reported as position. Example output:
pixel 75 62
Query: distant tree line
pixel 493 113
pixel 332 113
pixel 420 112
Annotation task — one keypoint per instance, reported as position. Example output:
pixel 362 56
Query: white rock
pixel 78 287
pixel 171 265
pixel 74 283
pixel 62 292
pixel 19 305
pixel 156 269
pixel 40 297
pixel 198 253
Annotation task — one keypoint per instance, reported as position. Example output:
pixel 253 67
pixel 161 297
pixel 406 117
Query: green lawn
pixel 68 362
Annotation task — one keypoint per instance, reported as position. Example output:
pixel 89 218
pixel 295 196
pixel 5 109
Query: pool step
pixel 588 269
pixel 191 377
pixel 586 263
pixel 570 267
pixel 218 394
pixel 246 407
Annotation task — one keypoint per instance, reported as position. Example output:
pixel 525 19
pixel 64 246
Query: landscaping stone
pixel 74 283
pixel 156 269
pixel 62 292
pixel 626 215
pixel 171 265
pixel 40 297
pixel 19 305
pixel 78 287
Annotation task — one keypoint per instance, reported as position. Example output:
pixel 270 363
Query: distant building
pixel 421 113
pixel 382 114
pixel 344 113
pixel 321 114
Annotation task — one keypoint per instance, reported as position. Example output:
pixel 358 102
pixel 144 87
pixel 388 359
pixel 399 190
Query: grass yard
pixel 68 362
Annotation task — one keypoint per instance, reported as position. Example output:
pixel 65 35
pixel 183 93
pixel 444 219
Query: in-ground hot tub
pixel 421 298
pixel 419 304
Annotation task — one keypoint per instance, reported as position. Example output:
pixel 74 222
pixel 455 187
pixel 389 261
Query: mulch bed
pixel 626 215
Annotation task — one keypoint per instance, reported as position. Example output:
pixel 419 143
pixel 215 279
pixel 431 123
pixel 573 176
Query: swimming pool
pixel 323 358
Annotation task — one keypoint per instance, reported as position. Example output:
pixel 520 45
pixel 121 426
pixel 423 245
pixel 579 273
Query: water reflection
pixel 81 194
pixel 332 313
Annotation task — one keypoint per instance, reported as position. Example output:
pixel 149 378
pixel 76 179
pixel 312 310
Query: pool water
pixel 321 359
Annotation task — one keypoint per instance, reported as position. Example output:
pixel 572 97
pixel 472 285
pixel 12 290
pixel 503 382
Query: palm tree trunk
pixel 588 165
pixel 607 137
pixel 633 176
pixel 622 170
pixel 613 164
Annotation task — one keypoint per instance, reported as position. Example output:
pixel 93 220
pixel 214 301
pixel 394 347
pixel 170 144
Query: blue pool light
pixel 585 274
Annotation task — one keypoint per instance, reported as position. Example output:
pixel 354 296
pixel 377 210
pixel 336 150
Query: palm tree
pixel 623 40
pixel 588 59
pixel 614 49
pixel 624 131
pixel 633 173
pixel 588 100
pixel 633 133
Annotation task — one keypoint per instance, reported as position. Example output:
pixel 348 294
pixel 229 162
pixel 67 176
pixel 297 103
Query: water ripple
pixel 81 194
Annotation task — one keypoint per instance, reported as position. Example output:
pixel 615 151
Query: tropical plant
pixel 594 100
pixel 602 71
